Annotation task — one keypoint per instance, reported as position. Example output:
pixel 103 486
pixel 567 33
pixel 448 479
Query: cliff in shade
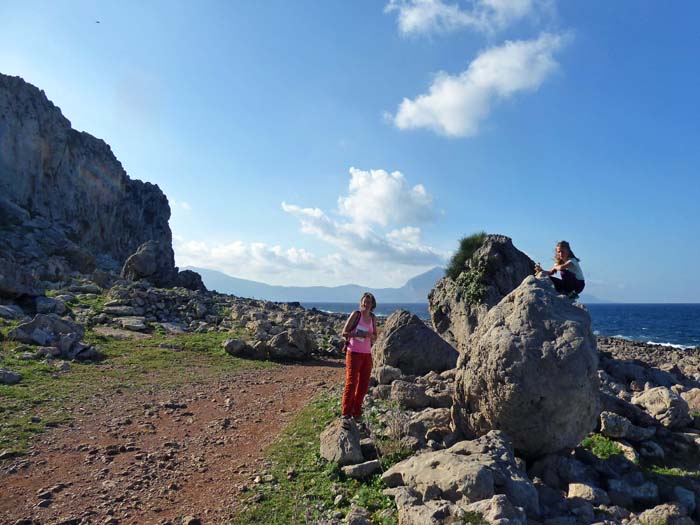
pixel 66 202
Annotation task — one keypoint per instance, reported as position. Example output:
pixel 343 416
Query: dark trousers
pixel 357 371
pixel 568 282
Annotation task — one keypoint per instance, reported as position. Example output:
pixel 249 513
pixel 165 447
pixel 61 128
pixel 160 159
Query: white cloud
pixel 455 105
pixel 250 260
pixel 437 16
pixel 375 200
pixel 378 197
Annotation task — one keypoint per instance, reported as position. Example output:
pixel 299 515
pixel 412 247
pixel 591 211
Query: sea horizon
pixel 674 325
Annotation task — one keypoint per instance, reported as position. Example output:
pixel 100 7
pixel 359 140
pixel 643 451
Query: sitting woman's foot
pixel 346 422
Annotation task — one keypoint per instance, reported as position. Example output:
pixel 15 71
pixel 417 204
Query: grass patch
pixel 47 396
pixel 465 251
pixel 305 485
pixel 601 446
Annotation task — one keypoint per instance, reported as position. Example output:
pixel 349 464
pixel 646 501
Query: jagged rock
pixel 590 493
pixel 341 445
pixel 56 184
pixel 47 305
pixel 135 323
pixel 406 343
pixel 619 427
pixel 626 494
pixel 413 511
pixel 385 375
pixel 358 516
pixel 362 470
pixel 15 282
pixel 190 280
pixel 453 317
pixel 45 330
pixel 499 510
pixel 9 377
pixel 10 311
pixel 409 395
pixel 665 406
pixel 425 420
pixel 467 472
pixel 292 344
pixel 666 514
pixel 154 261
pixel 531 372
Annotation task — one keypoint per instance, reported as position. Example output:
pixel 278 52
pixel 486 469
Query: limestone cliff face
pixel 66 202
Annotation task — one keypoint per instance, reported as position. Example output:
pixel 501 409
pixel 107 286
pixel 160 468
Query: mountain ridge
pixel 415 290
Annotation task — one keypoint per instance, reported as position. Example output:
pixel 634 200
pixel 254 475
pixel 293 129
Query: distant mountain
pixel 414 291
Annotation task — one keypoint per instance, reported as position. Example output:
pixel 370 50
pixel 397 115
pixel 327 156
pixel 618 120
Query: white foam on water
pixel 670 345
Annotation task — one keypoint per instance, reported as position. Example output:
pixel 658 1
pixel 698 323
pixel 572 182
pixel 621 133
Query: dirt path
pixel 162 455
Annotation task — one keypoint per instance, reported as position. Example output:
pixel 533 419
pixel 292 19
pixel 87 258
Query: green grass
pixel 601 446
pixel 308 494
pixel 465 251
pixel 49 396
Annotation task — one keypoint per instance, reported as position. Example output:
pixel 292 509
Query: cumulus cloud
pixel 437 16
pixel 251 260
pixel 378 197
pixel 375 200
pixel 456 105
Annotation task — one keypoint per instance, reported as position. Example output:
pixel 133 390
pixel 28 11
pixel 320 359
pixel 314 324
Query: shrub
pixel 471 284
pixel 467 247
pixel 601 446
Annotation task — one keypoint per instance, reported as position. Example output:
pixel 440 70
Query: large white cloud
pixel 485 16
pixel 378 197
pixel 456 105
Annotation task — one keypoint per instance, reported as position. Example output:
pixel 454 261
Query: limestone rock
pixel 66 202
pixel 153 261
pixel 406 343
pixel 499 510
pixel 191 280
pixel 531 372
pixel 9 377
pixel 362 470
pixel 45 330
pixel 292 344
pixel 453 317
pixel 665 406
pixel 341 445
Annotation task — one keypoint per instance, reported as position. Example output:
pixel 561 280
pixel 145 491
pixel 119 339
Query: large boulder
pixel 292 344
pixel 154 261
pixel 16 282
pixel 408 344
pixel 530 371
pixel 454 313
pixel 191 280
pixel 45 330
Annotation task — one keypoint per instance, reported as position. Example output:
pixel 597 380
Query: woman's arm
pixel 346 329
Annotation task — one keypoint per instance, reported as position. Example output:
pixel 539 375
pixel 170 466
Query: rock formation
pixel 408 344
pixel 66 203
pixel 531 372
pixel 503 267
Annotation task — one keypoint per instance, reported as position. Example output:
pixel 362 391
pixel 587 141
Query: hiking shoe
pixel 346 423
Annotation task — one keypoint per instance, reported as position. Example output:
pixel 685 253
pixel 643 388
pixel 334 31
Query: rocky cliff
pixel 66 202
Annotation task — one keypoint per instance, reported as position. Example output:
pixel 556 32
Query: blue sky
pixel 328 142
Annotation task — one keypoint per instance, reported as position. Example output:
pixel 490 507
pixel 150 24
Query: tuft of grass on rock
pixel 465 251
pixel 305 486
pixel 601 446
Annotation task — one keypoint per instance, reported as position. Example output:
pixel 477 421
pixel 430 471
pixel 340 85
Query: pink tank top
pixel 362 345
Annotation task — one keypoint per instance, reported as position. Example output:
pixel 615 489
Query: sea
pixel 673 325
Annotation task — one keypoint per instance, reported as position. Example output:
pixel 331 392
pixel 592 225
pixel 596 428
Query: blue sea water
pixel 675 325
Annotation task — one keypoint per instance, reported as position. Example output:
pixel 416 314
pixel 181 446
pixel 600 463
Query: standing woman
pixel 360 332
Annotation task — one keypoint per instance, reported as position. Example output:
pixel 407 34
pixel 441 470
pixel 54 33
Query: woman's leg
pixel 352 376
pixel 364 373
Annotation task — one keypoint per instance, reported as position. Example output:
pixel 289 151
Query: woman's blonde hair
pixel 563 245
pixel 374 301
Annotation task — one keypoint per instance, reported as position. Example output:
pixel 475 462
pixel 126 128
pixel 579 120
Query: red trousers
pixel 357 371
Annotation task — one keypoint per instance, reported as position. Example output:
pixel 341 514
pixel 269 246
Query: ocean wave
pixel 671 345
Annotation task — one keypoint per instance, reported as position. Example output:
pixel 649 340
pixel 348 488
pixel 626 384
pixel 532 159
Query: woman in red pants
pixel 360 331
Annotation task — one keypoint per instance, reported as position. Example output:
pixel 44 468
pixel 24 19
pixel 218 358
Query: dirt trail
pixel 161 455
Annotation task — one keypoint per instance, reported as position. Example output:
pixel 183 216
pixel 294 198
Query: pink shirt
pixel 362 345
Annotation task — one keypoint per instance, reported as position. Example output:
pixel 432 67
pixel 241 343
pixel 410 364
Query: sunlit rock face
pixel 66 202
